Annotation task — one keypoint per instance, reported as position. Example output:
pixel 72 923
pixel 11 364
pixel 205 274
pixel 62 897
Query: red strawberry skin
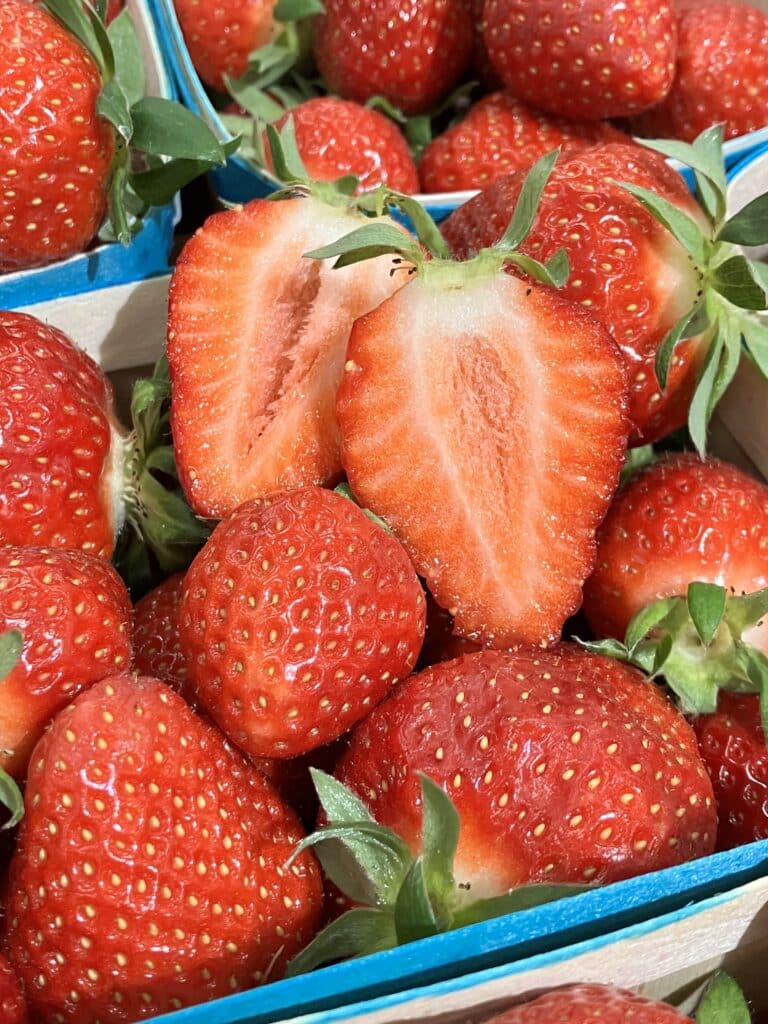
pixel 499 135
pixel 722 74
pixel 300 615
pixel 156 646
pixel 151 859
pixel 74 615
pixel 625 267
pixel 56 149
pixel 58 441
pixel 337 137
pixel 411 53
pixel 587 61
pixel 564 767
pixel 221 34
pixel 254 383
pixel 486 425
pixel 13 1009
pixel 677 521
pixel 732 744
pixel 583 1004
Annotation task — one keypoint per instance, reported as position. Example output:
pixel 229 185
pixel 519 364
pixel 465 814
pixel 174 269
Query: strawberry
pixel 441 643
pixel 676 521
pixel 654 267
pixel 587 61
pixel 221 34
pixel 300 614
pixel 466 375
pixel 69 478
pixel 156 647
pixel 161 889
pixel 411 54
pixel 61 115
pixel 13 1009
pixel 254 383
pixel 721 76
pixel 74 615
pixel 337 137
pixel 499 135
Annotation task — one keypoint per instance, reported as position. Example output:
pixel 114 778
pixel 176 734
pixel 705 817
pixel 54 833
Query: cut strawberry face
pixel 256 343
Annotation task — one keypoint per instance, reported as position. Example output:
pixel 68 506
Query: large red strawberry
pixel 61 163
pixel 501 134
pixel 299 616
pixel 254 383
pixel 74 615
pixel 412 54
pixel 151 858
pixel 221 34
pixel 484 419
pixel 337 137
pixel 13 1009
pixel 677 521
pixel 668 297
pixel 721 76
pixel 591 60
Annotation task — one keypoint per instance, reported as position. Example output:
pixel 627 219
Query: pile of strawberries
pixel 409 598
pixel 442 96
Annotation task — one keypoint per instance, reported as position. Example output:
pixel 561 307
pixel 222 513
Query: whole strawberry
pixel 151 856
pixel 563 766
pixel 410 53
pixel 13 1009
pixel 338 137
pixel 678 520
pixel 721 75
pixel 156 647
pixel 74 616
pixel 221 34
pixel 587 61
pixel 300 615
pixel 499 135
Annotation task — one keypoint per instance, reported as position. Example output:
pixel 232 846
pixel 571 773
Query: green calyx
pixel 696 643
pixel 731 289
pixel 399 897
pixel 11 644
pixel 160 146
pixel 428 255
pixel 723 1002
pixel 161 535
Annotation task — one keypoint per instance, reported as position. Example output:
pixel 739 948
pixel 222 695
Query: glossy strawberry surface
pixel 156 647
pixel 221 34
pixel 13 1009
pixel 584 1004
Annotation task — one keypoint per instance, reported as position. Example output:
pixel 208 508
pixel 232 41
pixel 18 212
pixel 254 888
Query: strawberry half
pixel 484 420
pixel 254 382
pixel 151 859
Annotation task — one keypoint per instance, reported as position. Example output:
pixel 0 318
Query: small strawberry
pixel 499 135
pixel 221 34
pixel 721 76
pixel 254 383
pixel 156 647
pixel 411 54
pixel 677 521
pixel 338 137
pixel 300 614
pixel 467 374
pixel 151 858
pixel 74 615
pixel 66 121
pixel 13 1009
pixel 660 272
pixel 587 61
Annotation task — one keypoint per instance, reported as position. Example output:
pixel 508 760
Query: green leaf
pixel 426 230
pixel 83 23
pixel 418 133
pixel 730 333
pixel 113 106
pixel 666 350
pixel 756 665
pixel 286 159
pixel 706 606
pixel 750 225
pixel 346 492
pixel 11 645
pixel 339 803
pixel 11 798
pixel 528 201
pixel 541 271
pixel 735 281
pixel 295 10
pixel 704 156
pixel 635 460
pixel 439 838
pixel 661 653
pixel 746 610
pixel 523 898
pixel 159 185
pixel 374 239
pixel 165 128
pixel 415 917
pixel 723 1003
pixel 755 333
pixel 355 933
pixel 647 619
pixel 699 410
pixel 128 58
pixel 609 648
pixel 682 227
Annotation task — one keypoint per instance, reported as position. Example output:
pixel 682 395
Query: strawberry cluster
pixel 442 96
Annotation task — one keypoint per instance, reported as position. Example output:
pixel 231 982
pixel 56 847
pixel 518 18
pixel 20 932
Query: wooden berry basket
pixel 668 927
pixel 109 265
